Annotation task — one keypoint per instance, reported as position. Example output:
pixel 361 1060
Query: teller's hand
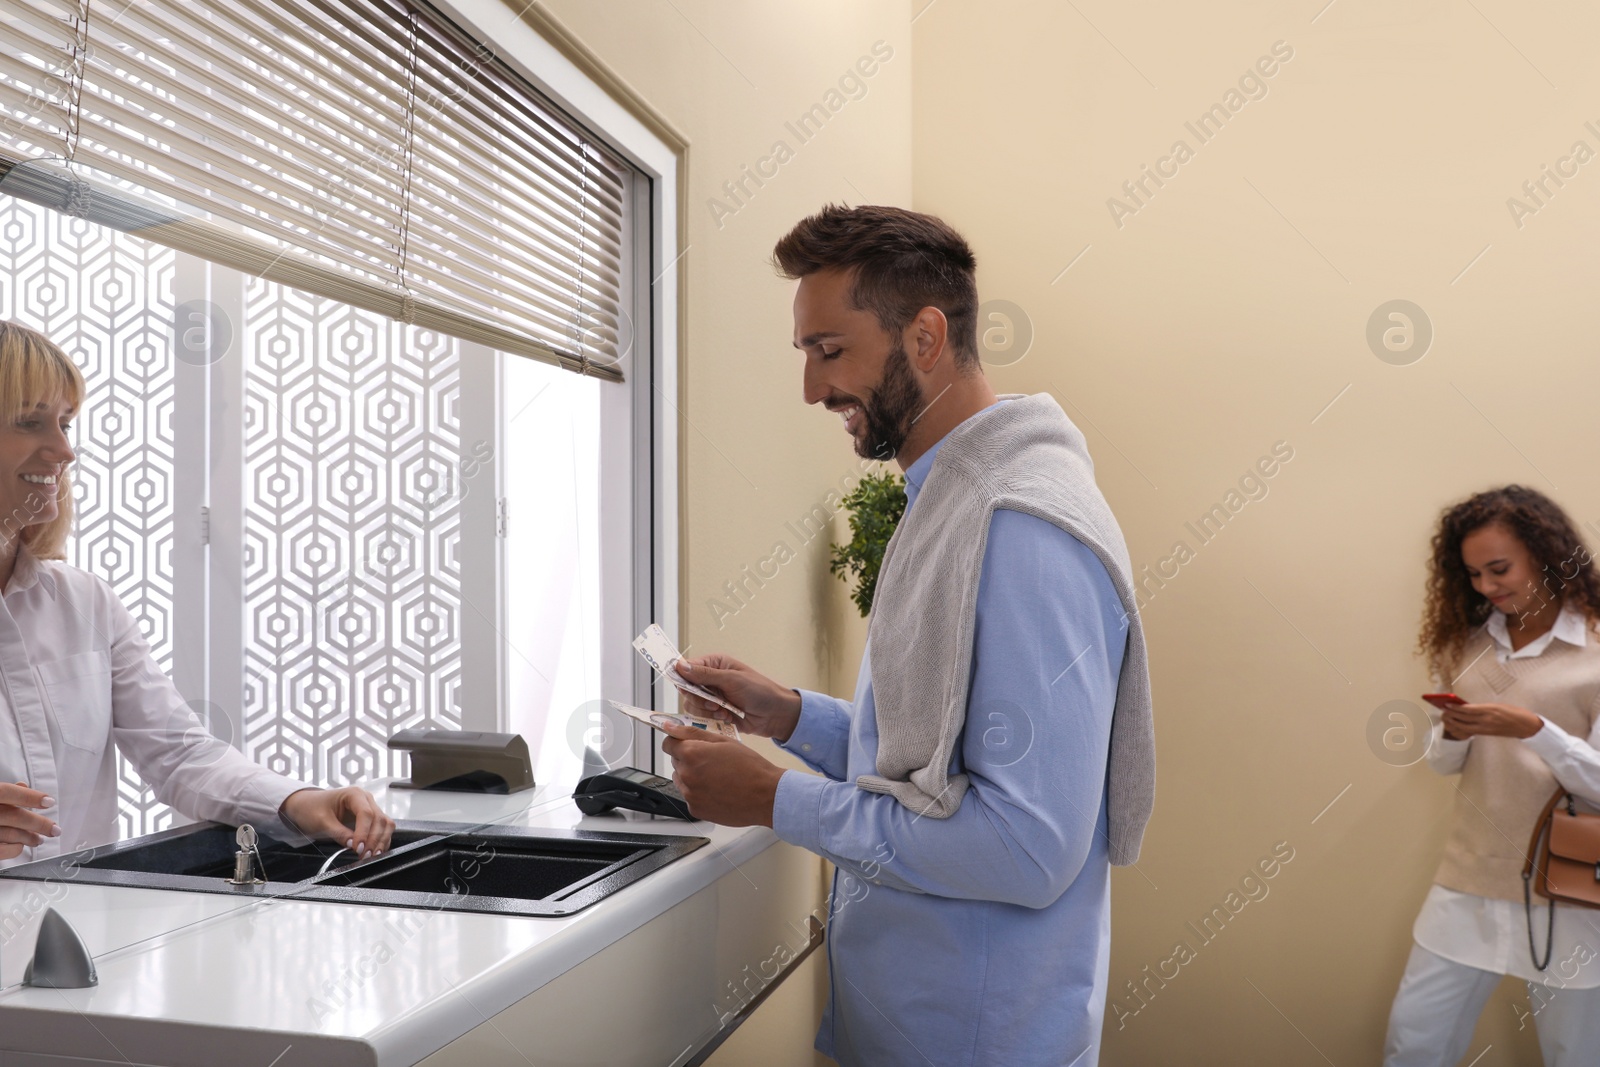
pixel 350 816
pixel 20 824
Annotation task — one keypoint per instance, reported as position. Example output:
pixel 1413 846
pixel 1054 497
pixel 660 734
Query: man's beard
pixel 891 409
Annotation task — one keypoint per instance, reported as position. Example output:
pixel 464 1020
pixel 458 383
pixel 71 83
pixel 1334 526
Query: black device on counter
pixel 631 788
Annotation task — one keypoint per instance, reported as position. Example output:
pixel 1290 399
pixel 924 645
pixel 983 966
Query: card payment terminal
pixel 631 788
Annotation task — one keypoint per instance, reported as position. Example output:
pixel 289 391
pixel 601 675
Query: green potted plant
pixel 875 507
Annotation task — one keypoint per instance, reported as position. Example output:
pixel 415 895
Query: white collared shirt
pixel 1490 934
pixel 75 676
pixel 1570 626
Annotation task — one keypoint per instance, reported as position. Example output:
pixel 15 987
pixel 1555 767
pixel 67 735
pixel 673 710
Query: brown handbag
pixel 1563 864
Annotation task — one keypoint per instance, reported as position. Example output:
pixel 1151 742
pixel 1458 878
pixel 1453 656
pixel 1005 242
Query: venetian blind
pixel 364 150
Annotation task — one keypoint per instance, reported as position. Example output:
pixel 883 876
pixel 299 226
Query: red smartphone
pixel 1443 701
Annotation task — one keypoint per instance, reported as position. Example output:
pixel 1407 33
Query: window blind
pixel 364 150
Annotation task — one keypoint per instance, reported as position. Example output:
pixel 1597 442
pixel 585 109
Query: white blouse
pixel 75 674
pixel 1490 934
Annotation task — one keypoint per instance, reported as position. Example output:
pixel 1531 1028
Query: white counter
pixel 198 979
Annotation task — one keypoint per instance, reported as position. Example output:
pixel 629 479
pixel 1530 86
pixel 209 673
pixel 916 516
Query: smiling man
pixel 999 752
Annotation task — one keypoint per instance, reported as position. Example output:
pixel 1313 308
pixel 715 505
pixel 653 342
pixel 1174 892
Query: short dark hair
pixel 903 260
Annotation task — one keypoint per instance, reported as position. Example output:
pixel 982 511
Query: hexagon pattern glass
pixel 350 484
pixel 352 521
pixel 107 299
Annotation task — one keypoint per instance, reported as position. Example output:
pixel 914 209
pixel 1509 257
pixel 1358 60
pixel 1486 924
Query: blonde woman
pixel 77 681
pixel 1510 626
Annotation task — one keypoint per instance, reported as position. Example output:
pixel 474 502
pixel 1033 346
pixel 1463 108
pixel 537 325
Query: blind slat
pixel 342 87
pixel 331 118
pixel 36 93
pixel 599 219
pixel 365 150
pixel 560 242
pixel 121 156
pixel 221 147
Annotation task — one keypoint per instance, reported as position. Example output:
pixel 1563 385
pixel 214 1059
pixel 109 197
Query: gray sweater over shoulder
pixel 1027 456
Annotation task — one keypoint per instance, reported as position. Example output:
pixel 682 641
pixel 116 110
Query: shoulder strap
pixel 1539 826
pixel 1540 829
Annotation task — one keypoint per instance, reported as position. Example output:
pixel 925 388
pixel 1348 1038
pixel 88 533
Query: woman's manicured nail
pixel 48 802
pixel 55 830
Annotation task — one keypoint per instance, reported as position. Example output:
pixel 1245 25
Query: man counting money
pixel 999 752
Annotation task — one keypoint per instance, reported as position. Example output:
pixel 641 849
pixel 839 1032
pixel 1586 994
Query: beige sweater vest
pixel 1504 784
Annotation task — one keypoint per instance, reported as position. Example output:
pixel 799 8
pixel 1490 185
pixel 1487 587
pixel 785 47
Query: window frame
pixel 639 538
pixel 651 369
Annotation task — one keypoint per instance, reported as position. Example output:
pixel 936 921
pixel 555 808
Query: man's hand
pixel 20 827
pixel 1490 720
pixel 349 816
pixel 770 710
pixel 722 780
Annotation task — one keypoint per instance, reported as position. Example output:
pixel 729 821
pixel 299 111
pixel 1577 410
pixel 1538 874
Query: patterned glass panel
pixel 107 299
pixel 352 487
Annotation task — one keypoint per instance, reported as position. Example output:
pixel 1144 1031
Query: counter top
pixel 301 976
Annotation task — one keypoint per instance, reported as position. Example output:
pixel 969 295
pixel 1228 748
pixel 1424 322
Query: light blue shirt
pixel 983 938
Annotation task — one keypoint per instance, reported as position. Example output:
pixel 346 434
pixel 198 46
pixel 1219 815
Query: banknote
pixel 662 655
pixel 658 719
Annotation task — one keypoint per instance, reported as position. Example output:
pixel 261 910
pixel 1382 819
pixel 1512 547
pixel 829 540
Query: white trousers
pixel 1439 1002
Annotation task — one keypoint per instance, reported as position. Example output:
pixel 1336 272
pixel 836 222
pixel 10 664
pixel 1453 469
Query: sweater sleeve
pixel 1048 649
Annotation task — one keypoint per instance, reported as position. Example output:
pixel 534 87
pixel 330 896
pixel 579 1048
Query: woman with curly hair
pixel 1510 625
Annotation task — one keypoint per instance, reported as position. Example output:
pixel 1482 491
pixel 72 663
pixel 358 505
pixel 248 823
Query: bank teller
pixel 77 680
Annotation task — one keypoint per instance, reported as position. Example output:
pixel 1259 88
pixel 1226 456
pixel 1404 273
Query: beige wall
pixel 1223 317
pixel 733 79
pixel 729 77
pixel 1227 314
